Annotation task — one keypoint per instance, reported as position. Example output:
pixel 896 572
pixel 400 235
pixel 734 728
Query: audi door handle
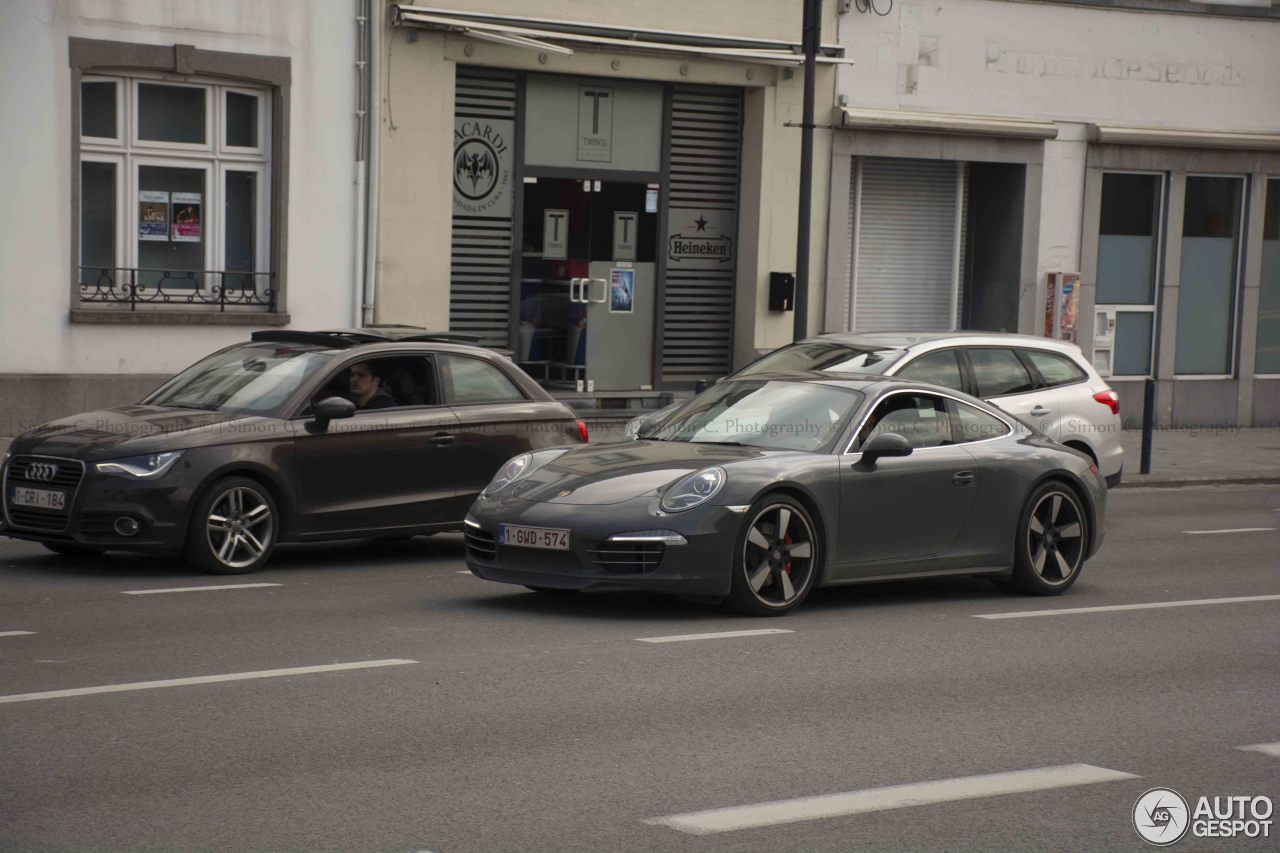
pixel 963 478
pixel 442 439
pixel 1039 411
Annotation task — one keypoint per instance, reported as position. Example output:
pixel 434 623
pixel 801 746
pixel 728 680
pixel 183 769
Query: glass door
pixel 587 285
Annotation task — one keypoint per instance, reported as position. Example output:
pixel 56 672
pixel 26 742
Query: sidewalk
pixel 1179 457
pixel 1213 455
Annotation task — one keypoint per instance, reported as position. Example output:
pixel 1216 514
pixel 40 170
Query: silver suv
pixel 1047 383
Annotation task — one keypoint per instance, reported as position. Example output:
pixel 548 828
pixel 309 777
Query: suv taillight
pixel 1109 399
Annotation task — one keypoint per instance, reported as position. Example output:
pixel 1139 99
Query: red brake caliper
pixel 787 567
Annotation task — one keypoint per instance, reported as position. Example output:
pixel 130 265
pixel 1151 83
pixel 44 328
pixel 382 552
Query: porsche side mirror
pixel 886 444
pixel 332 409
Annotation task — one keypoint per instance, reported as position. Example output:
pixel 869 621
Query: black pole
pixel 1148 424
pixel 812 35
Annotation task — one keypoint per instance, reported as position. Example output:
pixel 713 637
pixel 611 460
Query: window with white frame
pixel 1129 233
pixel 174 190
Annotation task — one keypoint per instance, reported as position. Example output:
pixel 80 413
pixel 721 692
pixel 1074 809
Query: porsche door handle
pixel 963 478
pixel 1039 411
pixel 443 439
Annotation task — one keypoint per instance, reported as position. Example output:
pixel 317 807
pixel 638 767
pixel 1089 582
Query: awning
pixel 562 37
pixel 1115 135
pixel 920 122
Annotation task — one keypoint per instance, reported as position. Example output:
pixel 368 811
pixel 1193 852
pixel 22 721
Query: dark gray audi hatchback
pixel 291 437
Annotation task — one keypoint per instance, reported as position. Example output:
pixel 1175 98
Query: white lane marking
pixel 15 633
pixel 1230 530
pixel 198 588
pixel 718 635
pixel 1072 611
pixel 1272 749
pixel 203 679
pixel 891 797
pixel 467 572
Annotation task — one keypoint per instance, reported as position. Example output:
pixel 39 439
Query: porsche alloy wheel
pixel 1052 542
pixel 778 558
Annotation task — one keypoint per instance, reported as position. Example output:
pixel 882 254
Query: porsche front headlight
pixel 695 489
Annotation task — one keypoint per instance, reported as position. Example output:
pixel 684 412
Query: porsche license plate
pixel 39 498
pixel 534 537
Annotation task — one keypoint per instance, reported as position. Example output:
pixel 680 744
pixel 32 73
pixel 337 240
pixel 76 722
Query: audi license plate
pixel 534 537
pixel 39 498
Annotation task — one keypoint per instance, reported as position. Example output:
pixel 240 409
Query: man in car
pixel 367 388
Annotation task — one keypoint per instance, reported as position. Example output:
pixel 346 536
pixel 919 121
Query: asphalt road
pixel 528 722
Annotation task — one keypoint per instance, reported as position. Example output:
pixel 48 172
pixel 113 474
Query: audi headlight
pixel 148 467
pixel 693 490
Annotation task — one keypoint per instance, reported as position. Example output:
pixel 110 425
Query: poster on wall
pixel 186 217
pixel 1062 305
pixel 153 215
pixel 622 291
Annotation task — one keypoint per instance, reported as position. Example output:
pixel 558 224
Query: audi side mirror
pixel 332 409
pixel 886 444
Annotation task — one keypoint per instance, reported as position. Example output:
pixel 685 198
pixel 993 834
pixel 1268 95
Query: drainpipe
pixel 373 134
pixel 812 35
pixel 361 217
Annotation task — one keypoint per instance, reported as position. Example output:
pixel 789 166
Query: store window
pixel 1268 356
pixel 175 206
pixel 1210 274
pixel 1128 269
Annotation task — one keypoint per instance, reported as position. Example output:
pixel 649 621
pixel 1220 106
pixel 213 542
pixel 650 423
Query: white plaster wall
pixel 35 150
pixel 1066 63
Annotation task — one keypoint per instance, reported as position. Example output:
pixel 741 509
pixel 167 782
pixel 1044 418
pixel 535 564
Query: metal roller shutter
pixel 697 311
pixel 906 245
pixel 480 271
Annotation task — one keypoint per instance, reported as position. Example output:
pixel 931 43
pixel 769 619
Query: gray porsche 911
pixel 763 488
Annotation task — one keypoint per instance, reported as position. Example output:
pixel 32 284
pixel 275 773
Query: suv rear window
pixel 998 372
pixel 1055 368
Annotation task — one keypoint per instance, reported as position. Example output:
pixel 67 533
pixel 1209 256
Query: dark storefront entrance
pixel 587 294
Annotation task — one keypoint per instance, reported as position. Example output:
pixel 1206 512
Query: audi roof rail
pixel 333 340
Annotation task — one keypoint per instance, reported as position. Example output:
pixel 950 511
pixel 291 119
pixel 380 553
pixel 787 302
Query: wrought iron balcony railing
pixel 135 286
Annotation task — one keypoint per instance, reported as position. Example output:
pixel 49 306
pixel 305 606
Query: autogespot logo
pixel 1161 817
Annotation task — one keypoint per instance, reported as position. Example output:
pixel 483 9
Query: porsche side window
pixel 919 418
pixel 937 368
pixel 977 425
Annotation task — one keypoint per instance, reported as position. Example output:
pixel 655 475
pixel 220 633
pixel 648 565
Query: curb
pixel 1197 481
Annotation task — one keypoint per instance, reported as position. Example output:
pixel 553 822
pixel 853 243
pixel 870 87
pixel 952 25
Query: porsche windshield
pixel 251 379
pixel 773 414
pixel 832 356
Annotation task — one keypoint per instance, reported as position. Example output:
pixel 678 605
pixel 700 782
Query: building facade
pixel 603 189
pixel 175 175
pixel 1000 162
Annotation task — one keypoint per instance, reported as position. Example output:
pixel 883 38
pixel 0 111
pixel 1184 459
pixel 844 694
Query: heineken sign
pixel 682 248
